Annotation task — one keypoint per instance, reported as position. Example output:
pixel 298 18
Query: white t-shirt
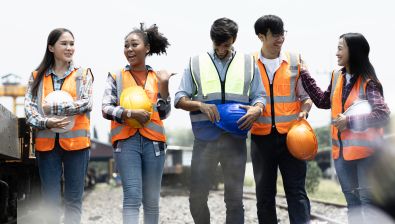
pixel 271 66
pixel 348 78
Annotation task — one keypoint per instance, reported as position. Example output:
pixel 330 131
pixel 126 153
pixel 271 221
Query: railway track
pixel 249 195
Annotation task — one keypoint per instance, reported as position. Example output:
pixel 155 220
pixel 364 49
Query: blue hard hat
pixel 229 114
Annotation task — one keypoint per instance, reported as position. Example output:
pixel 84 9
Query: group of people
pixel 273 86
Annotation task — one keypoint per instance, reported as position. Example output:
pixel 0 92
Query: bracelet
pixel 129 114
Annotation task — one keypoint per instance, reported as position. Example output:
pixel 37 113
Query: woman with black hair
pixel 139 150
pixel 62 127
pixel 354 137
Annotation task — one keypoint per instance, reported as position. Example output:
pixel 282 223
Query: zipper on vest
pixel 222 92
pixel 53 87
pixel 271 96
pixel 339 134
pixel 219 76
pixel 272 104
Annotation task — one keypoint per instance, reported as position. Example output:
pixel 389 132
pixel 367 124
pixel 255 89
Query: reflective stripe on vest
pixel 154 129
pixel 358 142
pixel 69 134
pixel 353 145
pixel 278 119
pixel 335 77
pixel 286 104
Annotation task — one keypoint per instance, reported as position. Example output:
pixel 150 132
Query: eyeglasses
pixel 278 35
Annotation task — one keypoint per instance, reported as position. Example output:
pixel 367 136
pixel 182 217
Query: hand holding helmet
pixel 211 111
pixel 56 123
pixel 140 115
pixel 138 106
pixel 246 121
pixel 231 115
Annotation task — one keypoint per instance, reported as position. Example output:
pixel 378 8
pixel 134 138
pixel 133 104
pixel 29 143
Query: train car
pixel 19 178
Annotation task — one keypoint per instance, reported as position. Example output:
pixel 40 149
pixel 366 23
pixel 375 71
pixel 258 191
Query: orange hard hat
pixel 301 140
pixel 134 98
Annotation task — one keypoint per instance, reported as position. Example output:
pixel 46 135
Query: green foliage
pixel 179 136
pixel 323 136
pixel 313 176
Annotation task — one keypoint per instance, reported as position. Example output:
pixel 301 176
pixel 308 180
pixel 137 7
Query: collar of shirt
pixel 282 57
pixel 227 58
pixel 349 78
pixel 128 67
pixel 71 68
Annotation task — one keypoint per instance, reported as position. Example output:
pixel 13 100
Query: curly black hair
pixel 151 36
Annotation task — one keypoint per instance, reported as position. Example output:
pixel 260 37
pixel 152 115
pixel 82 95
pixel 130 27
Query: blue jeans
pixel 355 185
pixel 73 165
pixel 140 163
pixel 268 154
pixel 231 153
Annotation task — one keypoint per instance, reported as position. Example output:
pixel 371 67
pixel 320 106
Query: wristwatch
pixel 129 114
pixel 307 114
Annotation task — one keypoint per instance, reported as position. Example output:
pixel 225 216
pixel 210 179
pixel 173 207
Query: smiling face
pixel 135 50
pixel 222 50
pixel 63 49
pixel 272 42
pixel 342 53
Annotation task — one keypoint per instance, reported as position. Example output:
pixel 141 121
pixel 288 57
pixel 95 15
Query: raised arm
pixel 321 99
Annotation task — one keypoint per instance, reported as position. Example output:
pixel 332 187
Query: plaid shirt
pixel 112 111
pixel 380 111
pixel 82 105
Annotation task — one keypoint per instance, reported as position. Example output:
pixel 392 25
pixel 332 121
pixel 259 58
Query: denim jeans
pixel 354 182
pixel 140 163
pixel 268 153
pixel 230 152
pixel 73 165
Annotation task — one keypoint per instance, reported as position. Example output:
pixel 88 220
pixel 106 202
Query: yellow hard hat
pixel 133 98
pixel 301 140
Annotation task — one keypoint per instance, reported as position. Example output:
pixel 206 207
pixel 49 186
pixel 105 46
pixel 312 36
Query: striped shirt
pixel 79 106
pixel 112 111
pixel 380 111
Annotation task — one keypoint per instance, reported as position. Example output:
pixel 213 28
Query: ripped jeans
pixel 354 182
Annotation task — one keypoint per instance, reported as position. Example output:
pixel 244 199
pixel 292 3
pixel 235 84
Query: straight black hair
pixel 358 52
pixel 49 59
pixel 269 22
pixel 151 36
pixel 222 30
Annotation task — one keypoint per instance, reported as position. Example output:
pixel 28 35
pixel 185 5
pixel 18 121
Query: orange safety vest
pixel 79 136
pixel 281 97
pixel 154 129
pixel 355 145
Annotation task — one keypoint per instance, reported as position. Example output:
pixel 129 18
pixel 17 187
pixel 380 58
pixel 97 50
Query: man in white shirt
pixel 286 101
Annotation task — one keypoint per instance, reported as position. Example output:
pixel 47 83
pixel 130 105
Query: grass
pixel 328 190
pixel 249 181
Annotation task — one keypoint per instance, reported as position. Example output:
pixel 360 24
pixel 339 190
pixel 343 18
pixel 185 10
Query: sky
pixel 100 26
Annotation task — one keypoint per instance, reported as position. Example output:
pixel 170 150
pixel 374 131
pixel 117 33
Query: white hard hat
pixel 60 96
pixel 359 107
